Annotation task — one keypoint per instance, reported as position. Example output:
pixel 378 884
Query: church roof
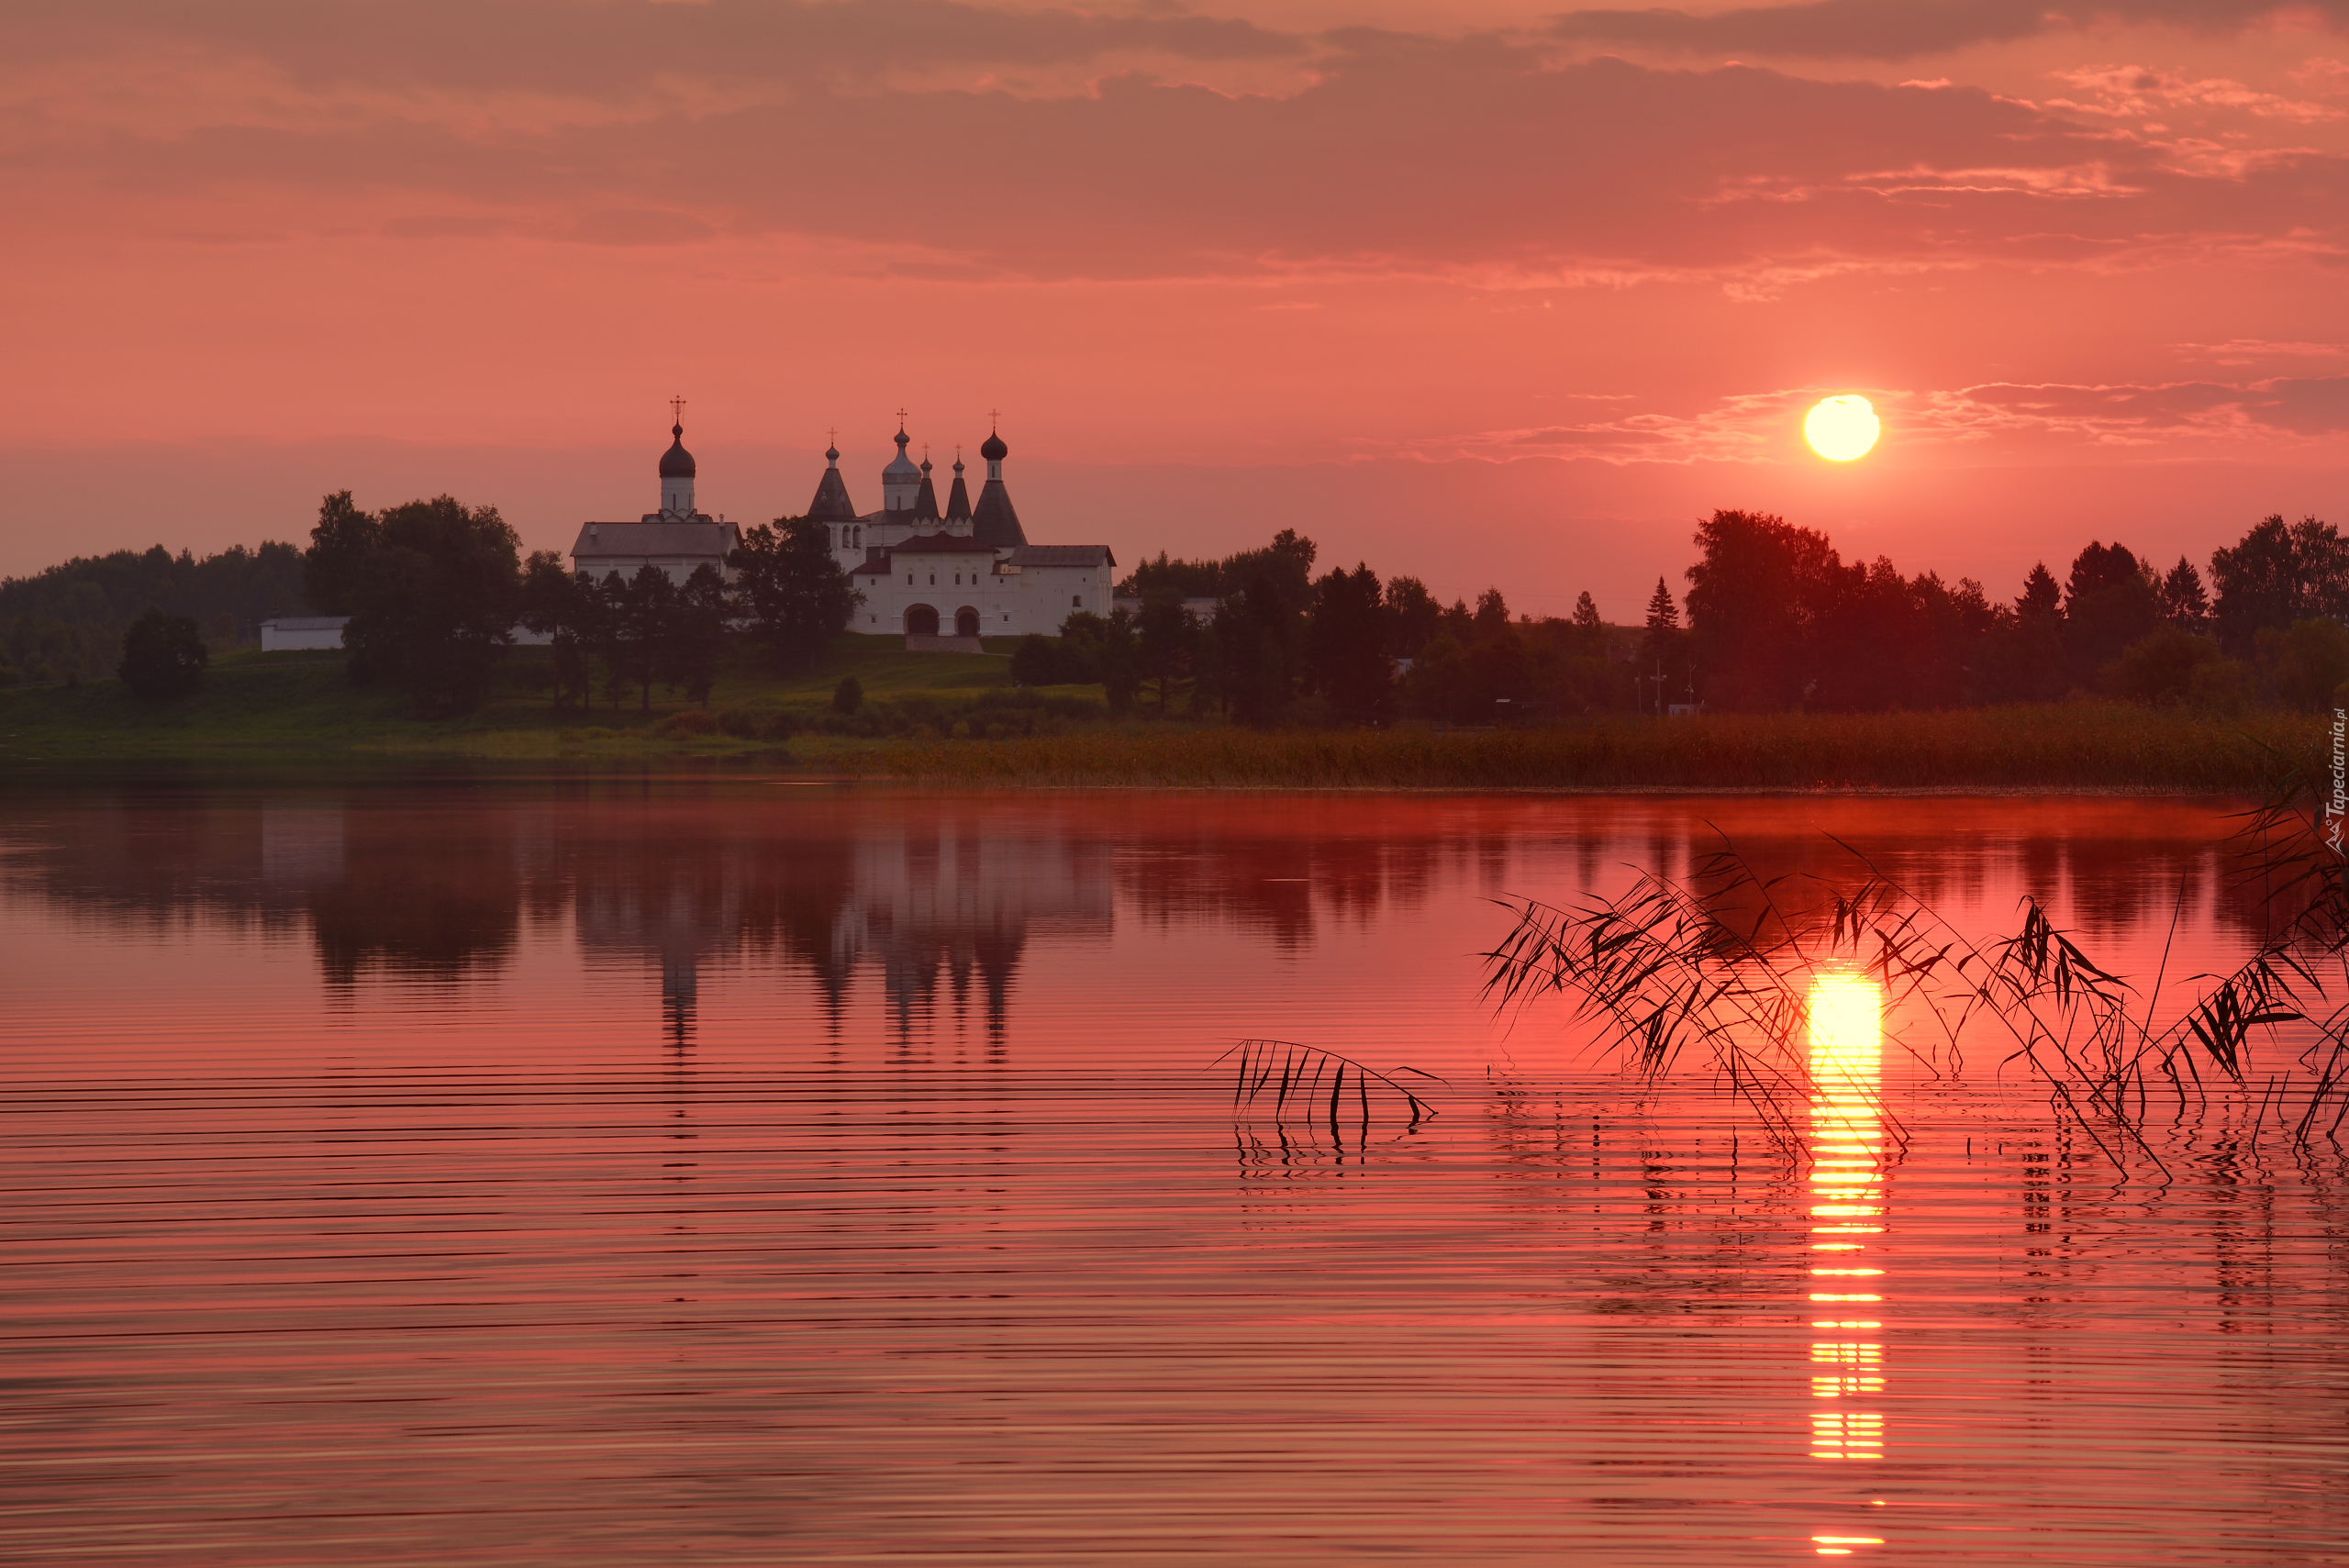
pixel 943 544
pixel 900 467
pixel 926 498
pixel 676 462
pixel 705 539
pixel 831 504
pixel 958 500
pixel 994 521
pixel 1063 555
pixel 882 558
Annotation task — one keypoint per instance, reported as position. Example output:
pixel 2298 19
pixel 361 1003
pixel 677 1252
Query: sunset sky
pixel 1483 292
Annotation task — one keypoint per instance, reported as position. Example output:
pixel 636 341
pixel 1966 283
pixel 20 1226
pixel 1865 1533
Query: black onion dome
pixel 993 449
pixel 676 462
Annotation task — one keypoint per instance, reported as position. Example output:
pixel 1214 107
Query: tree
pixel 1035 662
pixel 790 589
pixel 1491 618
pixel 2040 595
pixel 1257 636
pixel 1345 652
pixel 343 545
pixel 848 696
pixel 2160 667
pixel 2308 662
pixel 1101 647
pixel 1757 596
pixel 2180 601
pixel 638 622
pixel 1660 648
pixel 2276 575
pixel 1589 636
pixel 1413 617
pixel 697 633
pixel 431 587
pixel 162 656
pixel 1167 637
pixel 561 608
pixel 1118 661
pixel 2109 603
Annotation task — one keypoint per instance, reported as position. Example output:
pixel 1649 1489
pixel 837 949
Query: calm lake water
pixel 768 1173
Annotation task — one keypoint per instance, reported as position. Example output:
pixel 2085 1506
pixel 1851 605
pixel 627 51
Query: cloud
pixel 1872 29
pixel 1762 426
pixel 599 47
pixel 1473 160
pixel 2137 92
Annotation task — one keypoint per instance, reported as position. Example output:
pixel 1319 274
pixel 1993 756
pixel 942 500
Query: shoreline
pixel 954 721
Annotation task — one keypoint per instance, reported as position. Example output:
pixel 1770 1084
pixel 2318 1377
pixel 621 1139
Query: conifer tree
pixel 2182 600
pixel 1590 631
pixel 2040 596
pixel 1662 614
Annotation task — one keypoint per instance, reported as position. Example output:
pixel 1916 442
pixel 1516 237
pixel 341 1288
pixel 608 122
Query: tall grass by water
pixel 1727 965
pixel 2065 747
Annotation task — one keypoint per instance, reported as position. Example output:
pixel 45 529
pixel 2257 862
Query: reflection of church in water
pixel 938 911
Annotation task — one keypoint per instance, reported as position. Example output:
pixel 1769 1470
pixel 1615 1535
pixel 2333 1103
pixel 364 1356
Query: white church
pixel 941 579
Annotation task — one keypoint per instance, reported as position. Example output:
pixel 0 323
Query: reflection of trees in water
pixel 1279 887
pixel 430 893
pixel 936 900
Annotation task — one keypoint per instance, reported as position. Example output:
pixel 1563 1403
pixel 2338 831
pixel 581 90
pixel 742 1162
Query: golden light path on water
pixel 1846 1209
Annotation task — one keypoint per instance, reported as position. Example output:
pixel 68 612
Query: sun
pixel 1842 429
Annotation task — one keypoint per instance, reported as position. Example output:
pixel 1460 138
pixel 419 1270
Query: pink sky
pixel 1486 293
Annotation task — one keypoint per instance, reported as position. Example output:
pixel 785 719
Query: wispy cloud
pixel 2172 419
pixel 1872 29
pixel 1474 160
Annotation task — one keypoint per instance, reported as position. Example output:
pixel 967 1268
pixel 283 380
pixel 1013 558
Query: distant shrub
pixel 162 656
pixel 682 726
pixel 2160 668
pixel 2306 662
pixel 2222 687
pixel 740 723
pixel 848 696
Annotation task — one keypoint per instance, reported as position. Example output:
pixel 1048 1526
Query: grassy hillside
pixel 955 719
pixel 268 708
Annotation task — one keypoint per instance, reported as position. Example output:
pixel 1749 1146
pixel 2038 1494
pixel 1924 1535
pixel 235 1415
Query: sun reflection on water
pixel 1846 1208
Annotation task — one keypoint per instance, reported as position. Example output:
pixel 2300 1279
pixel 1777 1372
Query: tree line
pixel 435 588
pixel 1281 645
pixel 67 622
pixel 1776 620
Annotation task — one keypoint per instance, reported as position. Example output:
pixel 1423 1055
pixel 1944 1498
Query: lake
pixel 613 1171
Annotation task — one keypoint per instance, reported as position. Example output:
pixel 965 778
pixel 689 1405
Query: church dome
pixel 676 462
pixel 900 466
pixel 994 451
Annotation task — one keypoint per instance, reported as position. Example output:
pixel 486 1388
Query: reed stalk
pixel 1719 967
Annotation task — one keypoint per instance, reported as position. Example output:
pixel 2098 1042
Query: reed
pixel 1311 1088
pixel 2082 746
pixel 1721 966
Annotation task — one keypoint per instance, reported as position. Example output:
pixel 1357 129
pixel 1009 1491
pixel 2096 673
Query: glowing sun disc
pixel 1841 428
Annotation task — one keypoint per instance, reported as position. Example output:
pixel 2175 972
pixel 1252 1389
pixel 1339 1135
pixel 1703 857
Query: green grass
pixel 272 712
pixel 2056 747
pixel 272 709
